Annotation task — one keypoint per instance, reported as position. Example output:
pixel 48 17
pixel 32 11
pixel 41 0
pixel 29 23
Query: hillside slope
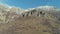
pixel 35 21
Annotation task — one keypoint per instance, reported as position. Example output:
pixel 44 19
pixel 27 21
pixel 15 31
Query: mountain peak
pixel 47 7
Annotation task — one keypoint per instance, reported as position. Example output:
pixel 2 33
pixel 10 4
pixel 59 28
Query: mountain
pixel 40 20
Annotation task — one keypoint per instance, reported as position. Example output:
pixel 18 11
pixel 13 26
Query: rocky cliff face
pixel 31 21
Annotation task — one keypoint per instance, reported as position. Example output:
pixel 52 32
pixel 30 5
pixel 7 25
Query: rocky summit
pixel 39 20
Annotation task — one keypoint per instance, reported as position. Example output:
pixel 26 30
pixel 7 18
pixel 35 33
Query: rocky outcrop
pixel 14 13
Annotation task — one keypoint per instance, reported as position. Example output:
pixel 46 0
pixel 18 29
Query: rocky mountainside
pixel 40 20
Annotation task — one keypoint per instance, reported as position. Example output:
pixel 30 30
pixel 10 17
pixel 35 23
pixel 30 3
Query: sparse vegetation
pixel 36 21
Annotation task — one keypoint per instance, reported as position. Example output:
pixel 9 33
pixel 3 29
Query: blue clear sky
pixel 31 3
